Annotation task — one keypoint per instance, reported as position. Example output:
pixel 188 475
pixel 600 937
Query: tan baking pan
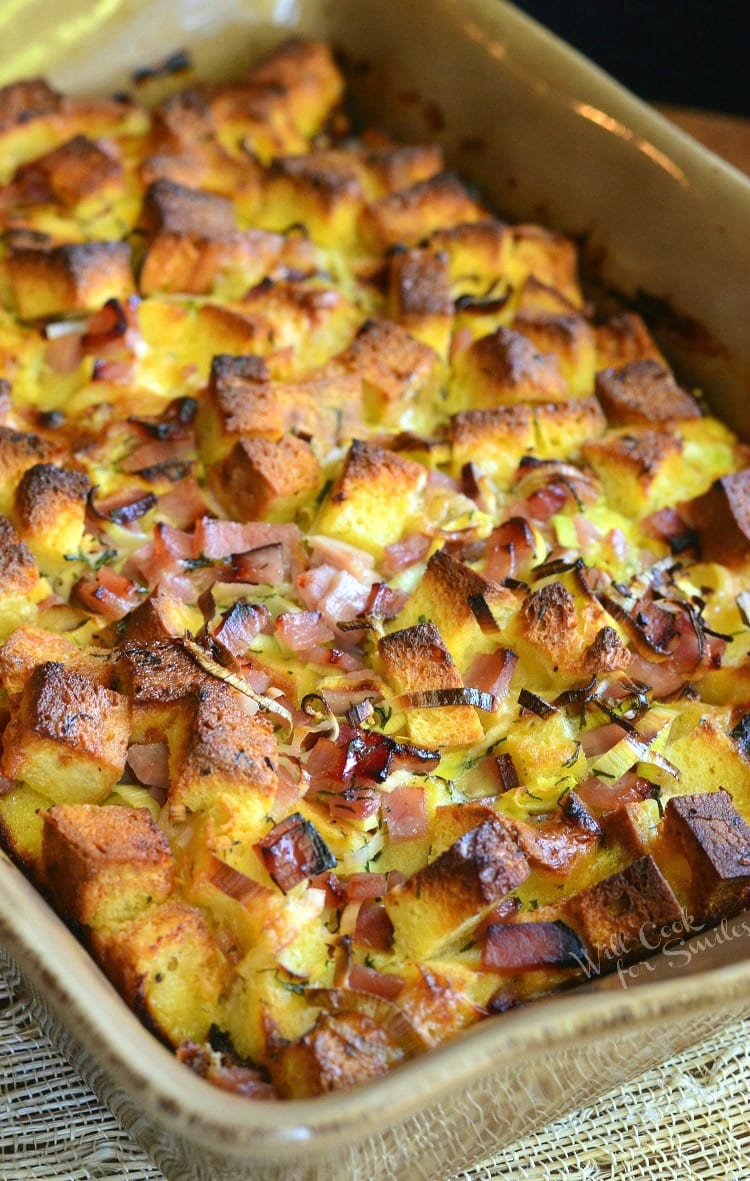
pixel 548 137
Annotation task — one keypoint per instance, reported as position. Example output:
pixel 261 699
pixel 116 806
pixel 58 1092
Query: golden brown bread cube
pixel 23 100
pixel 626 915
pixel 393 365
pixel 191 237
pixel 18 570
pixel 75 277
pixel 722 518
pixel 548 256
pixel 159 617
pixel 438 903
pixel 266 479
pixel 637 466
pixel 504 368
pixel 340 1050
pixel 715 839
pixel 215 746
pixel 563 427
pixel 301 80
pixel 69 173
pixel 67 737
pixel 641 393
pixel 409 215
pixel 29 646
pixel 415 660
pixel 103 866
pixel 494 439
pixel 169 968
pixel 373 498
pixel 19 451
pixel 567 336
pixel 478 254
pixel 558 631
pixel 158 677
pixel 624 338
pixel 420 297
pixel 400 165
pixel 50 510
pixel 321 190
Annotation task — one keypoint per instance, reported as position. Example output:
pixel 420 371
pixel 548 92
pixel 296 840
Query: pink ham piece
pixel 220 539
pixel 373 927
pixel 149 762
pixel 492 672
pixel 606 794
pixel 107 593
pixel 525 947
pixel 406 813
pixel 382 984
pixel 302 629
pixel 407 552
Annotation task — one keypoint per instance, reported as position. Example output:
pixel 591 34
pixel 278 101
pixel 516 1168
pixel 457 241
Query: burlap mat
pixel 687 1121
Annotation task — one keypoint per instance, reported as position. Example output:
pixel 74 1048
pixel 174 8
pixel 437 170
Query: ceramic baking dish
pixel 547 137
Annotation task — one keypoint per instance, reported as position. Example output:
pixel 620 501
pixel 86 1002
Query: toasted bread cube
pixel 159 678
pixel 50 509
pixel 722 518
pixel 321 190
pixel 309 316
pixel 341 1050
pixel 627 915
pixel 563 427
pixel 438 1003
pixel 267 479
pixel 420 297
pixel 20 451
pixel 243 400
pixel 159 617
pixel 715 839
pixel 169 968
pixel 638 467
pixel 19 578
pixel 103 866
pixel 409 215
pixel 478 254
pixel 188 213
pixel 401 165
pixel 495 440
pixel 216 746
pixel 30 646
pixel 570 338
pixel 68 174
pixel 439 903
pixel 502 369
pixel 76 277
pixel 394 367
pixel 447 596
pixel 549 257
pixel 373 498
pixel 416 660
pixel 22 828
pixel 300 80
pixel 642 393
pixel 556 629
pixel 633 825
pixel 624 338
pixel 67 737
pixel 539 747
pixel 25 100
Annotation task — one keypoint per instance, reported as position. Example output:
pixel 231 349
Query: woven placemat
pixel 686 1121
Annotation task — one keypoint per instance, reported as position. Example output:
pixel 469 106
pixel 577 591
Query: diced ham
pixel 302 629
pixel 149 762
pixel 365 885
pixel 335 593
pixel 107 593
pixel 120 372
pixel 382 984
pixel 64 353
pixel 332 552
pixel 407 552
pixel 240 625
pixel 406 813
pixel 294 850
pixel 184 503
pixel 523 947
pixel 601 739
pixel 220 539
pixel 155 452
pixel 354 803
pixel 491 672
pixel 373 927
pixel 266 564
pixel 611 793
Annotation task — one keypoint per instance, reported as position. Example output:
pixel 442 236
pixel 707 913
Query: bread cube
pixel 69 173
pixel 394 367
pixel 159 678
pixel 215 746
pixel 638 468
pixel 191 236
pixel 104 865
pixel 67 737
pixel 437 1000
pixel 168 966
pixel 19 579
pixel 419 297
pixel 494 439
pixel 440 903
pixel 625 916
pixel 550 257
pixel 50 510
pixel 399 166
pixel 321 190
pixel 415 660
pixel 447 596
pixel 373 498
pixel 567 336
pixel 300 81
pixel 341 1050
pixel 502 369
pixel 160 617
pixel 563 427
pixel 556 629
pixel 478 253
pixel 22 828
pixel 409 215
pixel 642 393
pixel 715 839
pixel 28 647
pixel 722 518
pixel 266 479
pixel 79 276
pixel 20 451
pixel 624 338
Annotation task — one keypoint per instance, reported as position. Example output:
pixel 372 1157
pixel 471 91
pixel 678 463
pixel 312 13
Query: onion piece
pixel 535 705
pixel 215 669
pixel 437 698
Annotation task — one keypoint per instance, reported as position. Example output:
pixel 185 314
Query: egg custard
pixel 374 616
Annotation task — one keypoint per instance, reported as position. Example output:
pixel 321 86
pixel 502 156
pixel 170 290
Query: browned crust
pixel 643 392
pixel 79 275
pixel 624 338
pixel 416 658
pixel 340 1050
pixel 549 618
pixel 67 174
pixel 508 363
pixel 387 358
pixel 176 209
pixel 722 517
pixel 479 868
pixel 45 492
pixel 606 653
pixel 258 473
pixel 407 216
pixel 18 570
pixel 716 842
pixel 419 285
pixel 625 915
pixel 26 100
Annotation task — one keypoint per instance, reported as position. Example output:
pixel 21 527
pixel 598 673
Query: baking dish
pixel 548 138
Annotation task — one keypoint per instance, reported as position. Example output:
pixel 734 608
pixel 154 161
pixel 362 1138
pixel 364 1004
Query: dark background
pixel 693 53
